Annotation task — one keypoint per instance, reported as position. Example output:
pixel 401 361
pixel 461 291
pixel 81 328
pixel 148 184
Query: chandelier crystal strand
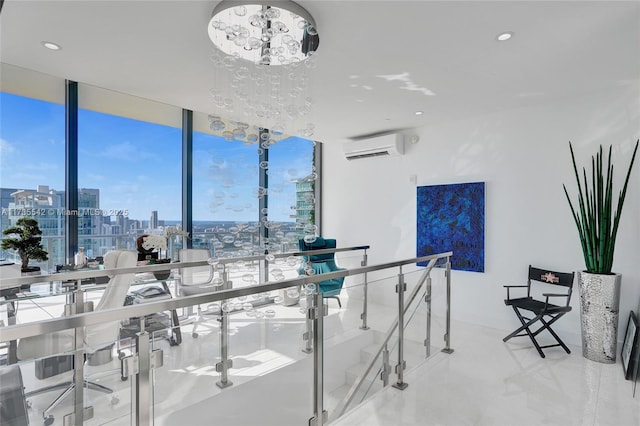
pixel 262 67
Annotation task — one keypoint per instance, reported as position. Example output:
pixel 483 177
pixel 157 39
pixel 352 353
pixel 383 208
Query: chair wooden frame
pixel 541 309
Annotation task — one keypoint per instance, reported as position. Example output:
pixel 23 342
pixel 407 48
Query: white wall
pixel 523 156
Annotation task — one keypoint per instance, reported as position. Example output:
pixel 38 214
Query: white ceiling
pixel 160 50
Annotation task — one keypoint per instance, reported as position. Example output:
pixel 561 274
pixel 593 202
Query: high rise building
pixel 47 206
pixel 305 202
pixel 153 222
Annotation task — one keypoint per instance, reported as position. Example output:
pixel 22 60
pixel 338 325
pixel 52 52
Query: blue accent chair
pixel 322 264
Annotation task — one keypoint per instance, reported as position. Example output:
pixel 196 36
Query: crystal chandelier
pixel 264 57
pixel 264 32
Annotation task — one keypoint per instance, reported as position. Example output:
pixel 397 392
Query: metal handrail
pixel 344 404
pixel 85 274
pixel 14 332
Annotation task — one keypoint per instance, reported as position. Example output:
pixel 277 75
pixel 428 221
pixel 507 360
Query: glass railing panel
pixel 285 267
pixel 44 379
pixel 424 325
pixel 185 366
pixel 439 311
pixel 416 323
pixel 107 391
pixel 47 375
pixel 350 259
pixel 15 406
pixel 348 353
pixel 267 366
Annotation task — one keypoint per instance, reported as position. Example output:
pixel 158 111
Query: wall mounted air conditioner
pixel 385 145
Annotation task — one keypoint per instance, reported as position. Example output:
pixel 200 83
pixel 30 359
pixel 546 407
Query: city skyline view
pixel 137 165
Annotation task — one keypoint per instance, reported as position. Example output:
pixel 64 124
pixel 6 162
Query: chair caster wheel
pixel 48 420
pixel 29 403
pixel 194 335
pixel 173 342
pixel 114 400
pixel 123 378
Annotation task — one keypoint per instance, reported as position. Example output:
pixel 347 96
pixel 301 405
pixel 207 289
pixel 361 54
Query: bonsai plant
pixel 597 224
pixel 27 242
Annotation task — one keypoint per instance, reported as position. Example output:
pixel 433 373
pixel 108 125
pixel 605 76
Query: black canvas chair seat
pixel 536 306
pixel 544 313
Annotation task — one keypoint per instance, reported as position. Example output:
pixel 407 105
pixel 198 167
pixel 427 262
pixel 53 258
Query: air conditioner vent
pixel 386 145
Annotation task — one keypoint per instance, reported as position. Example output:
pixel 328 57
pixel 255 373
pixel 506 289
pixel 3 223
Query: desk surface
pixel 57 287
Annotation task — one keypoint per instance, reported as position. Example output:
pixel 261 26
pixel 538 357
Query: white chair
pixel 196 280
pixel 96 337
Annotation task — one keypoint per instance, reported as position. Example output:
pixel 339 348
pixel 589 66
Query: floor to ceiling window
pixel 129 169
pixel 292 178
pixel 251 198
pixel 32 150
pixel 226 193
pixel 247 198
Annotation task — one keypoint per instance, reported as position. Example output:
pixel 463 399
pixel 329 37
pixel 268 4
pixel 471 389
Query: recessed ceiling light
pixel 51 46
pixel 504 36
pixel 419 112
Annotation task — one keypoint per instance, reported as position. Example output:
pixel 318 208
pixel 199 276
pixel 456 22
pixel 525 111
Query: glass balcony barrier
pixel 257 343
pixel 392 351
pixel 49 385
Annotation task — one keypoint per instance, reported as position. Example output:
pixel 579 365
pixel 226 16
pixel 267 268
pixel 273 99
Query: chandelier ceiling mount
pixel 272 32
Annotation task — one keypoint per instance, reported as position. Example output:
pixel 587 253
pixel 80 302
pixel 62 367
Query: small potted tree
pixel 27 242
pixel 597 224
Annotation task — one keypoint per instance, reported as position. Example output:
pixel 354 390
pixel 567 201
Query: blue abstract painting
pixel 451 218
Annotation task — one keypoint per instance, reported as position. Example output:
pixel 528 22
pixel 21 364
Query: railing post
pixel 78 373
pixel 386 368
pixel 401 287
pixel 225 363
pixel 316 313
pixel 427 300
pixel 76 305
pixel 138 366
pixel 308 334
pixel 143 379
pixel 364 325
pixel 447 337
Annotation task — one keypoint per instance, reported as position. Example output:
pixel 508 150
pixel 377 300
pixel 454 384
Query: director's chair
pixel 541 309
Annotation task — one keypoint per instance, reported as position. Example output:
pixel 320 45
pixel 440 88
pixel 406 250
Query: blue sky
pixel 137 165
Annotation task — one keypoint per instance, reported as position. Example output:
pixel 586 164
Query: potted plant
pixel 597 224
pixel 27 242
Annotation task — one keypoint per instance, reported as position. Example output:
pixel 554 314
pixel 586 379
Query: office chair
pixel 97 338
pixel 322 264
pixel 196 280
pixel 541 309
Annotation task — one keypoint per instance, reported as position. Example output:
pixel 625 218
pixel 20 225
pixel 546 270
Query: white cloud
pixel 125 151
pixel 95 177
pixel 42 166
pixel 6 147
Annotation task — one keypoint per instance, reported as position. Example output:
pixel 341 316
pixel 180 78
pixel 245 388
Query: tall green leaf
pixel 597 227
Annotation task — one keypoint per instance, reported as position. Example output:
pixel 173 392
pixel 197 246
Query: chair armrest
pixel 512 286
pixel 548 295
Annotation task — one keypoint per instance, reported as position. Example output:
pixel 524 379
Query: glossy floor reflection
pixel 484 382
pixel 488 382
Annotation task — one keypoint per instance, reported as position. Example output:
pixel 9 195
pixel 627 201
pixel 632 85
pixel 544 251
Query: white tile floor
pixel 488 382
pixel 484 382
